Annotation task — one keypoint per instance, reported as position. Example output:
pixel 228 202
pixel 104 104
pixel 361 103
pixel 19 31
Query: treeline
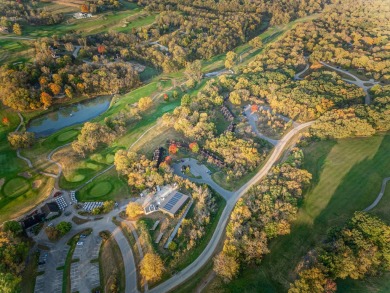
pixel 357 250
pixel 352 34
pixel 361 120
pixel 261 215
pixel 26 11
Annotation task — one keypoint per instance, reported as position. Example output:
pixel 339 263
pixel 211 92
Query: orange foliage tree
pixel 84 8
pixel 5 121
pixel 254 108
pixel 55 88
pixel 46 99
pixel 173 148
pixel 101 49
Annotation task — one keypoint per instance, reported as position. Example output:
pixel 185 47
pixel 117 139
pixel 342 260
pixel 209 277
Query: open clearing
pixel 100 189
pixel 347 177
pixel 16 186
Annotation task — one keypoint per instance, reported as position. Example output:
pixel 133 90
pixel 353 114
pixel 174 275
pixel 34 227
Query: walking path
pixel 139 247
pixel 356 81
pixel 380 195
pixel 208 252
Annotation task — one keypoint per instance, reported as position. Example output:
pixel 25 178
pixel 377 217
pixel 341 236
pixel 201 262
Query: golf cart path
pixel 356 81
pixel 297 75
pixel 380 195
pixel 208 252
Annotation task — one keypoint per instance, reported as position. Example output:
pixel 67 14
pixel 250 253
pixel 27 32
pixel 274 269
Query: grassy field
pixel 347 177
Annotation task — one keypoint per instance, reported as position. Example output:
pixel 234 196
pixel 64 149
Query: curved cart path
pixel 356 81
pixel 208 252
pixel 380 195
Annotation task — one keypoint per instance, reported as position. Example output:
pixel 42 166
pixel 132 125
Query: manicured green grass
pixel 16 186
pixel 100 189
pixel 108 186
pixel 67 135
pixel 347 176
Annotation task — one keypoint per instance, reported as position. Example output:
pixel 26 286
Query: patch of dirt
pixel 36 184
pixel 26 175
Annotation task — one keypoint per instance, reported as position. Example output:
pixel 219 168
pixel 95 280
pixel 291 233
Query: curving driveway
pixel 208 252
pixel 356 81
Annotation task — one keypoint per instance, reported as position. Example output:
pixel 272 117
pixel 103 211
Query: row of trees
pixel 264 213
pixel 356 121
pixel 359 249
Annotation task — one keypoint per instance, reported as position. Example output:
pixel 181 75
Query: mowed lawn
pixel 347 177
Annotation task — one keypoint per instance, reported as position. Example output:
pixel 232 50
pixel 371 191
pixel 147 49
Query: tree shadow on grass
pixel 357 189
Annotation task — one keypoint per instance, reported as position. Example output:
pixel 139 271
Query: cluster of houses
pixel 227 113
pixel 229 117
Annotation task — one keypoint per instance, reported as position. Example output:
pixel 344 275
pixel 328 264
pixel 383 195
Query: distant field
pixel 347 177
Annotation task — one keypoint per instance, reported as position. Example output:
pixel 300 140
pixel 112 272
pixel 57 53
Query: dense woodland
pixel 13 253
pixel 359 249
pixel 264 213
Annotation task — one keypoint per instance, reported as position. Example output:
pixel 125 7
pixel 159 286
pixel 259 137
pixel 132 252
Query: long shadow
pixel 264 277
pixel 358 188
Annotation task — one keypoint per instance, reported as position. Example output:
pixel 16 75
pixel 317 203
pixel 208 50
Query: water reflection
pixel 69 115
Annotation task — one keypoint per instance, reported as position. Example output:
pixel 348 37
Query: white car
pixel 80 243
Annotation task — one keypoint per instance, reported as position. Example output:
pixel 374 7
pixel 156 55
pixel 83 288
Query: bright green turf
pixel 67 135
pixel 347 176
pixel 100 189
pixel 77 178
pixel 16 186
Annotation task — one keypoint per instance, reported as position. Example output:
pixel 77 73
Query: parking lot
pixel 89 206
pixel 84 274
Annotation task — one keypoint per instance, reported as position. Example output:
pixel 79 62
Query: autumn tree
pixel 145 103
pixel 193 70
pixel 17 29
pixel 21 139
pixel 173 148
pixel 84 8
pixel 46 99
pixel 256 42
pixel 55 88
pixel 152 267
pixel 194 147
pixel 225 266
pixel 101 49
pixel 134 209
pixel 231 59
pixel 5 121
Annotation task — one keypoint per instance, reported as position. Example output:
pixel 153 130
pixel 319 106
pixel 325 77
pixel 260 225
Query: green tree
pixel 64 227
pixel 13 226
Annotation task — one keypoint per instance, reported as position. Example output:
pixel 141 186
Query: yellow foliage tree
pixel 134 210
pixel 152 267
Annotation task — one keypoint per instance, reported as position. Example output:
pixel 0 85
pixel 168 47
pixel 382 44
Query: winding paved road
pixel 208 252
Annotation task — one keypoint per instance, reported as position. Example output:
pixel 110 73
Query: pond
pixel 51 122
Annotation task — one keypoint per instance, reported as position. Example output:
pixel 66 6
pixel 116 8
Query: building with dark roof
pixel 50 209
pixel 173 203
pixel 32 221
